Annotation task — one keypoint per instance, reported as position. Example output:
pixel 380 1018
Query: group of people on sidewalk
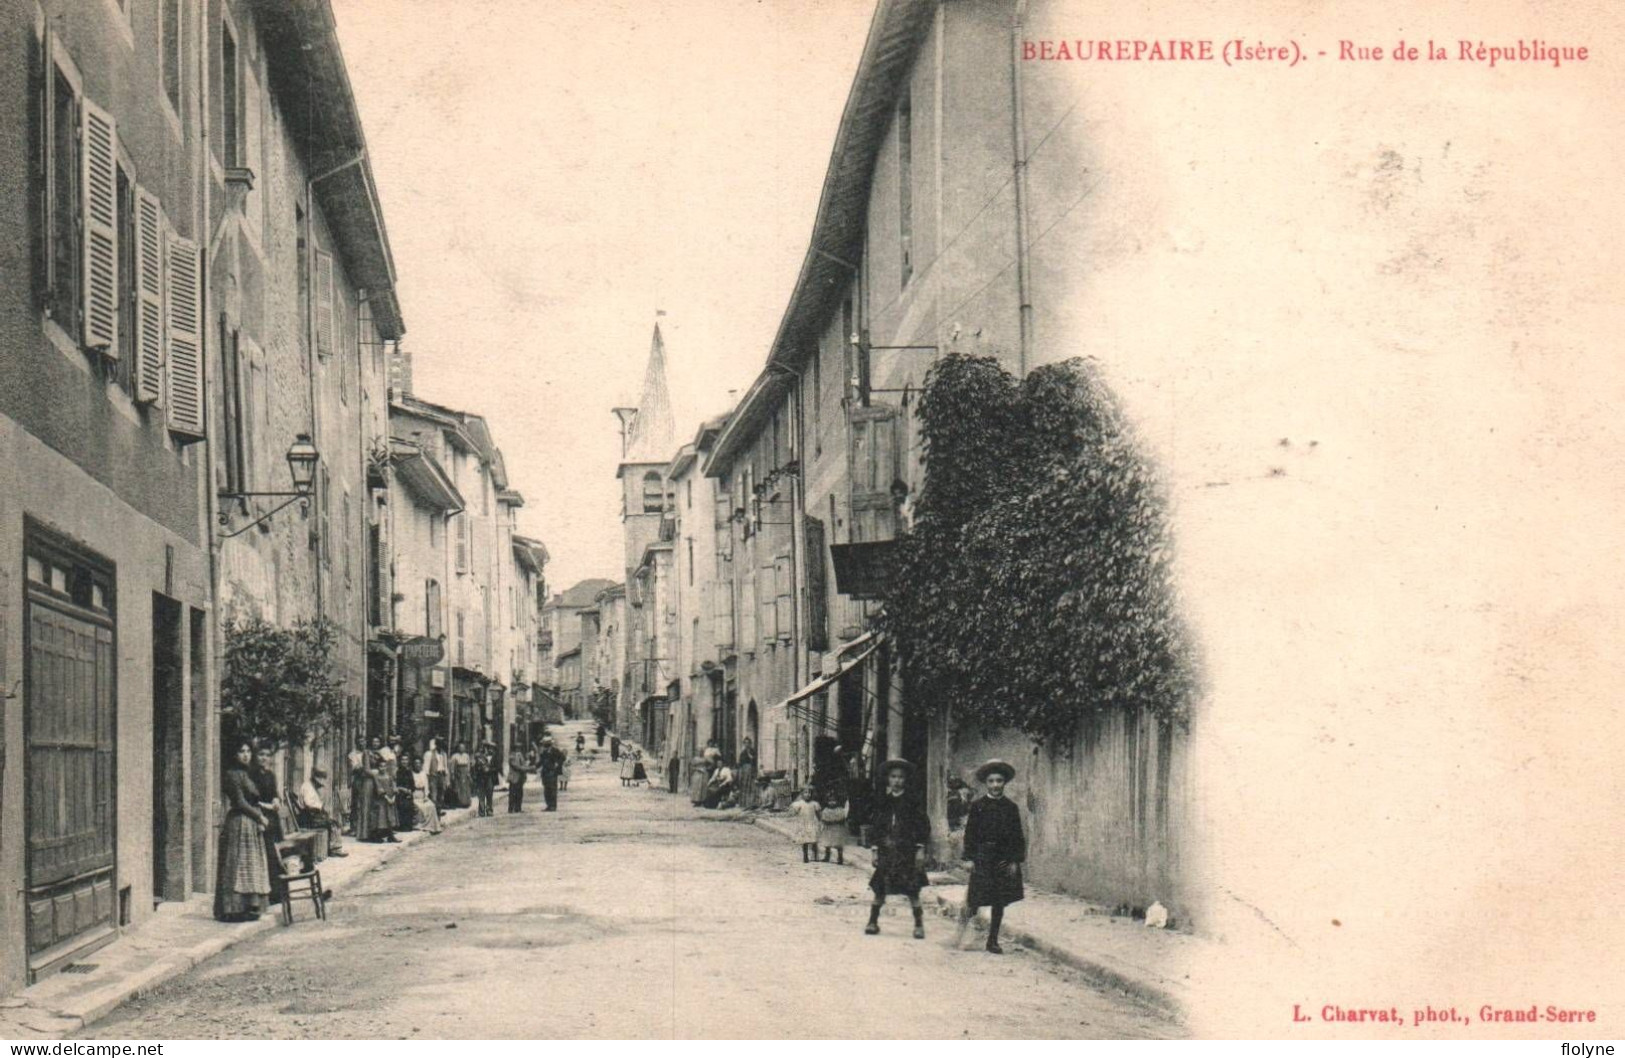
pixel 392 791
pixel 715 782
pixel 251 874
pixel 898 831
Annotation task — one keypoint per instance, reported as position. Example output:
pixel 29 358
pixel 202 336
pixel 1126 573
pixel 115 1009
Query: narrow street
pixel 626 913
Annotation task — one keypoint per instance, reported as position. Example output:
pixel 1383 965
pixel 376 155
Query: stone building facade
pixel 107 730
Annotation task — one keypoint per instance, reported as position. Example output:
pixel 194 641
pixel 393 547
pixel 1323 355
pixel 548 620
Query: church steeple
pixel 652 434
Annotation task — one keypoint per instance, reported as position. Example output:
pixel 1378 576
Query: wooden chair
pixel 300 878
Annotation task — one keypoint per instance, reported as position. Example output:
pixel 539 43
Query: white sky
pixel 554 171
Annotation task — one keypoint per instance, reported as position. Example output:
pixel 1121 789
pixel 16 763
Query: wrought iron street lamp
pixel 302 461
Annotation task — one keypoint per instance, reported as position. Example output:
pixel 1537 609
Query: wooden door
pixel 71 817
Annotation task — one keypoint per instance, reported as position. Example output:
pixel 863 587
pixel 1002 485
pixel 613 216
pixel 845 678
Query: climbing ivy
pixel 1035 586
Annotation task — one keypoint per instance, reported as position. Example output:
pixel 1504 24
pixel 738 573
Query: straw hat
pixel 996 767
pixel 898 764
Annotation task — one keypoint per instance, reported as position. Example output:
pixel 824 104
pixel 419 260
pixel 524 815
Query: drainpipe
pixel 309 265
pixel 1019 143
pixel 310 348
pixel 211 505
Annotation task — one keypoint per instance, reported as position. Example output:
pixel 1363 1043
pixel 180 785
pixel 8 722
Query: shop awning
pixel 862 647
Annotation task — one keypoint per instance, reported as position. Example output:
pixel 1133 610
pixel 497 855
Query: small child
pixel 806 825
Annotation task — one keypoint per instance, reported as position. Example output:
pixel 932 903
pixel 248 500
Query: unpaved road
pixel 625 914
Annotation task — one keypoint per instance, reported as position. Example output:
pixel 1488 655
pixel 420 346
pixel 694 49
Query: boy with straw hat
pixel 996 845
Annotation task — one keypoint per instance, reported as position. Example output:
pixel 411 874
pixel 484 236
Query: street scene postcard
pixel 798 520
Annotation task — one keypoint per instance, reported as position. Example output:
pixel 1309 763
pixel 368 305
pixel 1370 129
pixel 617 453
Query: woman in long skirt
pixel 383 804
pixel 405 784
pixel 461 793
pixel 698 777
pixel 243 890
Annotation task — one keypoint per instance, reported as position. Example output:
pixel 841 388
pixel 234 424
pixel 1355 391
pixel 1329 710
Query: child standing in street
pixel 900 832
pixel 804 828
pixel 996 845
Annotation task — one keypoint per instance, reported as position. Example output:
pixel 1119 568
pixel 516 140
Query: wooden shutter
pixel 817 588
pixel 722 611
pixel 767 599
pixel 747 610
pixel 462 544
pixel 98 202
pixel 873 468
pixel 324 302
pixel 148 370
pixel 783 596
pixel 184 361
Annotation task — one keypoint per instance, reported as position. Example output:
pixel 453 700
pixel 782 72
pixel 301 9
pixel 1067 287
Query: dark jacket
pixel 898 822
pixel 993 832
pixel 997 845
pixel 549 762
pixel 898 826
pixel 264 781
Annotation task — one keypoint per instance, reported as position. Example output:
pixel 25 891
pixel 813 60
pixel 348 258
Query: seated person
pixel 720 788
pixel 312 812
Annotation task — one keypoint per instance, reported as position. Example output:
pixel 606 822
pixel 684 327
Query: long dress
pixel 364 810
pixel 805 827
pixel 244 885
pixel 405 813
pixel 833 834
pixel 997 846
pixel 265 793
pixel 431 814
pixel 383 804
pixel 461 794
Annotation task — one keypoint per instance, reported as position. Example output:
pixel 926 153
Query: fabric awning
pixel 866 644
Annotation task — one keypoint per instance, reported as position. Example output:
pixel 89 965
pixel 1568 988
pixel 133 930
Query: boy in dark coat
pixel 899 831
pixel 996 845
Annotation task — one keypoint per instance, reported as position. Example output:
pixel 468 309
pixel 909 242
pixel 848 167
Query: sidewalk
pixel 177 938
pixel 1150 965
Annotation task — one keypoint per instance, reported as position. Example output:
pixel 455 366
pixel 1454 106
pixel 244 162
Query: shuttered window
pixel 431 609
pixel 783 597
pixel 61 252
pixel 185 346
pixel 325 539
pixel 375 575
pixel 767 611
pixel 233 407
pixel 98 153
pixel 324 303
pixel 462 543
pixel 817 587
pixel 722 613
pixel 149 294
pixel 873 468
pixel 344 540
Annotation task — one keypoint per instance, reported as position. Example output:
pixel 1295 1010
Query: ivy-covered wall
pixel 1034 612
